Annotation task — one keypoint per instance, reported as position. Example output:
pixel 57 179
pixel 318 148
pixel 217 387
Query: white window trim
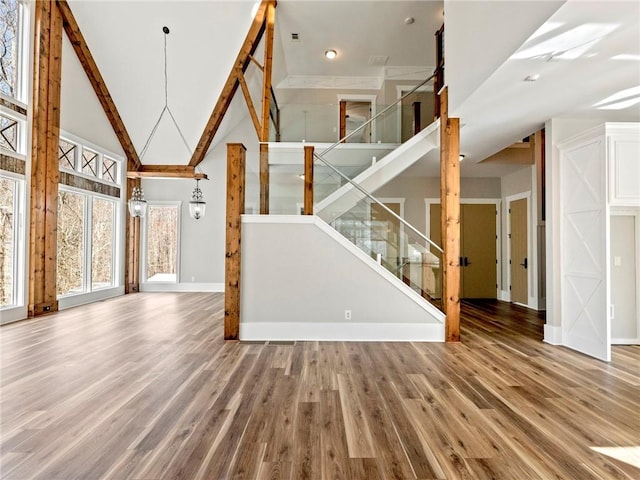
pixel 143 253
pixel 81 144
pixel 19 248
pixel 88 293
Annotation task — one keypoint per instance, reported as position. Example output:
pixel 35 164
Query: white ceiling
pixel 485 79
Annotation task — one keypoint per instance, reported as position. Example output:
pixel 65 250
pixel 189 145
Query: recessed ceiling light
pixel 461 157
pixel 409 20
pixel 532 78
pixel 331 54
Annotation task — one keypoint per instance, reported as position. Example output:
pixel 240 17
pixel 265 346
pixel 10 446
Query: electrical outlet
pixel 347 314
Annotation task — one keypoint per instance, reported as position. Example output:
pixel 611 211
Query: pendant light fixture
pixel 137 203
pixel 197 205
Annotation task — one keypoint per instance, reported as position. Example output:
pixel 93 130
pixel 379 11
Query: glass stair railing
pixel 365 143
pixel 389 239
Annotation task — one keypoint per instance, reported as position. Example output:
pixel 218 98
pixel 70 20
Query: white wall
pixel 299 276
pixel 202 242
pixel 80 111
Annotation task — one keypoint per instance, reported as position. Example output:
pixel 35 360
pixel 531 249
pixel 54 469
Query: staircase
pixel 378 174
pixel 307 275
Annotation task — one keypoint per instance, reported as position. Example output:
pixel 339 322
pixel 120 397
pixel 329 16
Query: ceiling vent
pixel 378 60
pixel 295 37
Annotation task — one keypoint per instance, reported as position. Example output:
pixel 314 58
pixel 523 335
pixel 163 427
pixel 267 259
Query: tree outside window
pixel 162 243
pixel 9 18
pixel 7 241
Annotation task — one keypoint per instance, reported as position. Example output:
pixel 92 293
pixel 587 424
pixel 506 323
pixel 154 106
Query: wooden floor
pixel 142 387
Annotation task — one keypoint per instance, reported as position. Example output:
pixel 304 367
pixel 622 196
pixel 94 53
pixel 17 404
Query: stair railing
pixel 375 117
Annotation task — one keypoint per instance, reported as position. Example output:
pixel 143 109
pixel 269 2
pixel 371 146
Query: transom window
pixel 74 155
pixel 67 154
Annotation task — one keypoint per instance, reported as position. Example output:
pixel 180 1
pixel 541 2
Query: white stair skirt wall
pixel 381 172
pixel 583 231
pixel 301 279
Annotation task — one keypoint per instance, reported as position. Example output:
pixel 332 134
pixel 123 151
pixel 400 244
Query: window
pixel 90 206
pixel 162 236
pixel 71 219
pixel 102 244
pixel 77 158
pixel 86 242
pixel 13 42
pixel 67 154
pixel 9 241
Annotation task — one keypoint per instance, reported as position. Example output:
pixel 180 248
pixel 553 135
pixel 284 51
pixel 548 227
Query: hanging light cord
pixel 166 105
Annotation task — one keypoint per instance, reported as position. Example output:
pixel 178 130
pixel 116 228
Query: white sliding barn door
pixel 585 316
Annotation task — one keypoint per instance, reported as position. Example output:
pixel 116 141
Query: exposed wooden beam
pixel 249 101
pixel 308 180
pixel 167 171
pixel 231 86
pixel 268 68
pixel 47 74
pixel 264 179
pixel 450 217
pixel 256 63
pixel 236 153
pixel 132 248
pixel 97 82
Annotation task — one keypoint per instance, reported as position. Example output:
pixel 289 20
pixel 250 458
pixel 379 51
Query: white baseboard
pixel 355 332
pixel 13 314
pixel 182 287
pixel 84 298
pixel 625 341
pixel 552 334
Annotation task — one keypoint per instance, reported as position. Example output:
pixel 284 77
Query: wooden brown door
pixel 478 250
pixel 519 263
pixel 478 242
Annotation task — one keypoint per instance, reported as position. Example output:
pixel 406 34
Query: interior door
pixel 354 114
pixel 519 263
pixel 586 322
pixel 477 248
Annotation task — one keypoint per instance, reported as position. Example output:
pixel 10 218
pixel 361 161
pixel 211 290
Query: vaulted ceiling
pixel 491 46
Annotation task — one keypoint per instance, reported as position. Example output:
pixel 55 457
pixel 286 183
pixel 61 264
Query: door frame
pixel 354 97
pixel 399 90
pixel 508 201
pixel 635 213
pixel 476 201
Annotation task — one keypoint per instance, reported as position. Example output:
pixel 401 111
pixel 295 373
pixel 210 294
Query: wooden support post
pixel 343 120
pixel 235 208
pixel 264 179
pixel 44 159
pixel 132 247
pixel 308 180
pixel 416 118
pixel 450 217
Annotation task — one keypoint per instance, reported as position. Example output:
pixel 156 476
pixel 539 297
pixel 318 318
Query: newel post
pixel 308 181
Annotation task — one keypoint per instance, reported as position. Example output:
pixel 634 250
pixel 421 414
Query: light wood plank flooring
pixel 143 387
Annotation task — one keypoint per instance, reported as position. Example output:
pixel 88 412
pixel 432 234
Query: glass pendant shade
pixel 197 205
pixel 137 203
